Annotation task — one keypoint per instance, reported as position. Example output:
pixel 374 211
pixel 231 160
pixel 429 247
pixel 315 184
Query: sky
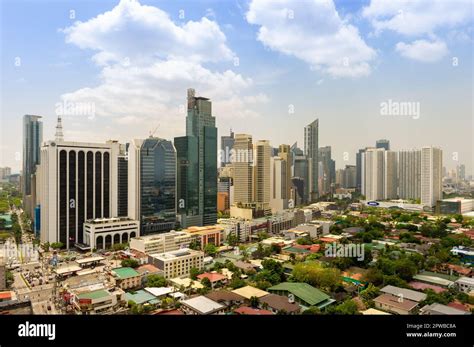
pixel 368 70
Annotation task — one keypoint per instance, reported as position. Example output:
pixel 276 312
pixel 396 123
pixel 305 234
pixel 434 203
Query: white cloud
pixel 148 62
pixel 422 50
pixel 418 17
pixel 144 33
pixel 313 32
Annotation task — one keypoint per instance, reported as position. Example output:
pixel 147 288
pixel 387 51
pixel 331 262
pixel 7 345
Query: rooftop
pixel 373 311
pixel 89 260
pixel 183 252
pixel 251 311
pixel 139 297
pixel 422 286
pixel 304 291
pixel 280 303
pixel 212 276
pixel 436 308
pixel 96 294
pixel 249 291
pixel 202 305
pixel 404 293
pixel 159 291
pixel 125 272
pixel 394 301
pixel 224 295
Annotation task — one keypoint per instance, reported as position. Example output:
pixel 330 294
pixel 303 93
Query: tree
pixel 237 283
pixel 130 263
pixel 369 293
pixel 313 310
pixel 57 245
pixel 316 275
pixel 232 239
pixel 254 301
pixel 193 273
pixel 210 249
pixel 156 281
pixel 206 282
pixel 348 307
pixel 195 244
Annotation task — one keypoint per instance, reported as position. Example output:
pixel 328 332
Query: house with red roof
pixel 214 277
pixel 246 310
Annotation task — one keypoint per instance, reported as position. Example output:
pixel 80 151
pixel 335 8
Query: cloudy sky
pixel 120 70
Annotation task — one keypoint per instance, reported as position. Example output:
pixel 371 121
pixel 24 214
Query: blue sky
pixel 129 63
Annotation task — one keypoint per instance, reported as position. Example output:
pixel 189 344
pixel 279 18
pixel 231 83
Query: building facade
pixel 311 136
pixel 431 175
pixel 152 184
pixel 76 182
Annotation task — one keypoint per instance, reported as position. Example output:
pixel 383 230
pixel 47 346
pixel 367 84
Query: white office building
pixel 161 243
pixel 431 175
pixel 76 181
pixel 103 233
pixel 409 174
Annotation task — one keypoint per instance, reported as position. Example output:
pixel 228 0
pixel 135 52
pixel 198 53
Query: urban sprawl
pixel 155 226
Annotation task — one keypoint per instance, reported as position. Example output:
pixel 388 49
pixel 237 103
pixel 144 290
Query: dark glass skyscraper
pixel 198 147
pixel 32 139
pixel 383 144
pixel 311 149
pixel 227 144
pixel 157 185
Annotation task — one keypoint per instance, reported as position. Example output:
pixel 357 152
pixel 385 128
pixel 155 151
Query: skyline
pixel 146 90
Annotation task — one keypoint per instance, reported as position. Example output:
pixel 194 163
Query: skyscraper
pixel 76 182
pixel 349 177
pixel 227 144
pixel 277 184
pixel 122 184
pixel 431 175
pixel 373 174
pixel 385 144
pixel 263 153
pixel 327 170
pixel 243 169
pixel 311 151
pixel 409 174
pixel 152 173
pixel 200 125
pixel 284 152
pixel 390 173
pixel 32 141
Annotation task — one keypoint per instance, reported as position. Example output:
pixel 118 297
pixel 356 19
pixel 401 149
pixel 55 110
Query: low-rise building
pixel 302 293
pixel 248 291
pixel 214 277
pixel 97 301
pixel 279 304
pixel 103 233
pixel 210 234
pixel 465 284
pixel 395 304
pixel 161 243
pixel 126 277
pixel 201 305
pixel 403 293
pixel 226 298
pixel 178 263
pixel 440 309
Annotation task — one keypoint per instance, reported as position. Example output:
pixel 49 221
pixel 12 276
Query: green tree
pixel 210 249
pixel 133 263
pixel 316 275
pixel 206 282
pixel 156 281
pixel 57 245
pixel 254 301
pixel 193 273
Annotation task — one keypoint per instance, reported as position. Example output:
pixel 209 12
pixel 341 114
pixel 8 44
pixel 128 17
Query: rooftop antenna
pixel 59 130
pixel 152 132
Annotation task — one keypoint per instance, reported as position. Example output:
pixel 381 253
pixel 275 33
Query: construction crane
pixel 152 132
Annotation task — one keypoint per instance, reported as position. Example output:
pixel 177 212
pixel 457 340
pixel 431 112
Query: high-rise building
pixel 243 169
pixel 359 169
pixel 201 125
pixel 327 174
pixel 461 172
pixel 227 144
pixel 311 151
pixel 373 174
pixel 122 185
pixel 409 174
pixel 32 141
pixel 152 179
pixel 385 144
pixel 300 172
pixel 349 177
pixel 278 200
pixel 76 182
pixel 263 153
pixel 5 172
pixel 431 175
pixel 284 152
pixel 390 172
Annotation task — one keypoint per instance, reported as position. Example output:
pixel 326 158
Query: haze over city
pixel 132 73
